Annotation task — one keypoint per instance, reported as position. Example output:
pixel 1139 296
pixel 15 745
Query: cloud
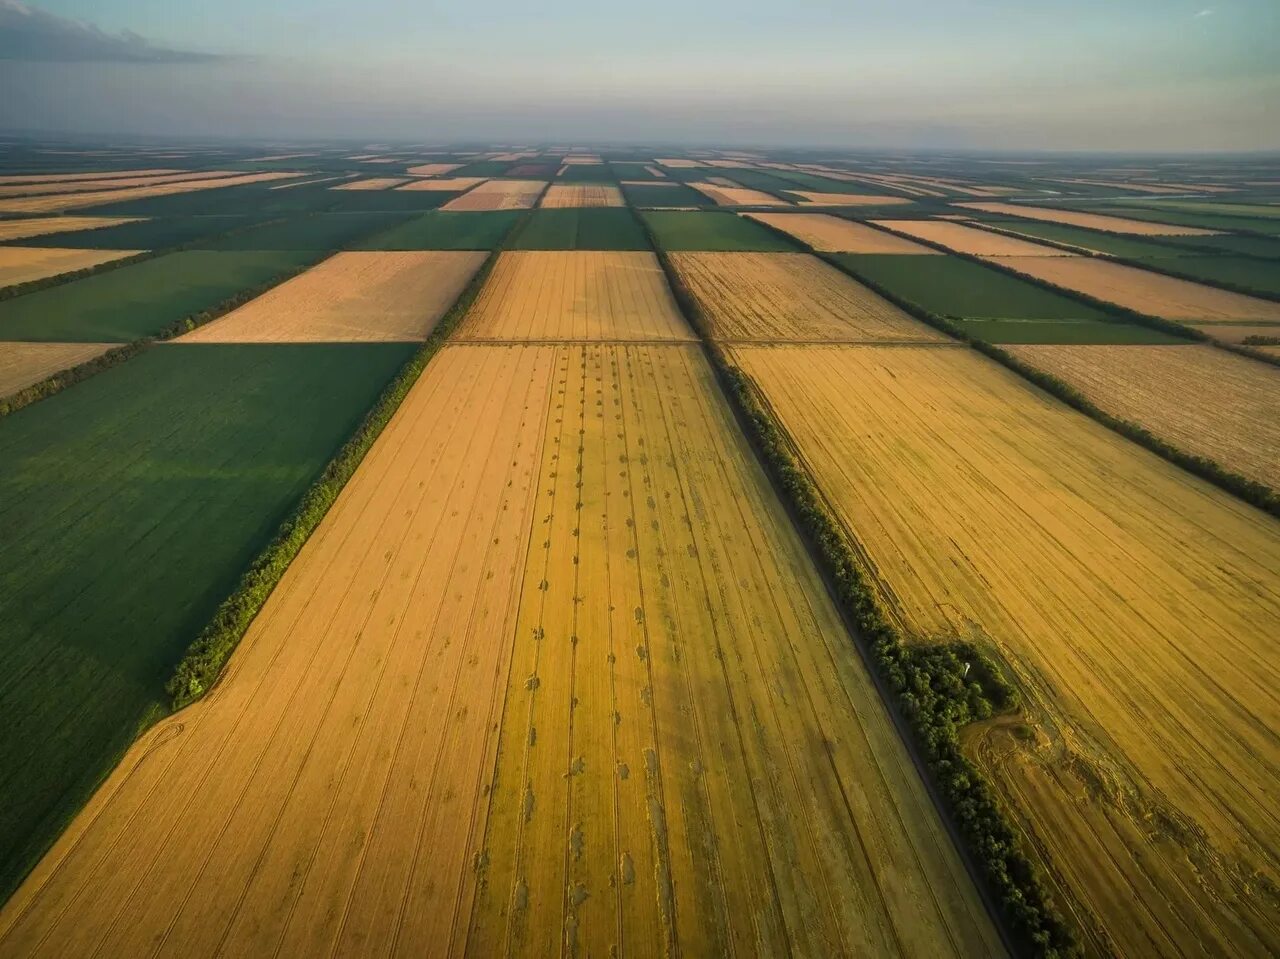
pixel 28 33
pixel 1207 12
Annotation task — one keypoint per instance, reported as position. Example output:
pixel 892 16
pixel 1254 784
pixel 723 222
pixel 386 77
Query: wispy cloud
pixel 1207 12
pixel 29 33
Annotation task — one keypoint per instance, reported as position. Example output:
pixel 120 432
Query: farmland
pixel 20 264
pixel 1091 221
pixel 831 234
pixel 45 226
pixel 136 234
pixel 444 230
pixel 712 232
pixel 559 196
pixel 78 201
pixel 22 364
pixel 1240 272
pixel 499 195
pixel 967 239
pixel 581 229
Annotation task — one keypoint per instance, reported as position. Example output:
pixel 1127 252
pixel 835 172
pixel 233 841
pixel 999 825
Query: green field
pixel 130 504
pixel 690 231
pixel 142 299
pixel 587 173
pixel 157 234
pixel 1063 331
pixel 589 228
pixel 1229 243
pixel 252 198
pixel 626 170
pixel 1223 208
pixel 1113 243
pixel 821 184
pixel 1204 220
pixel 759 180
pixel 664 195
pixel 951 286
pixel 316 231
pixel 1241 272
pixel 444 230
pixel 482 168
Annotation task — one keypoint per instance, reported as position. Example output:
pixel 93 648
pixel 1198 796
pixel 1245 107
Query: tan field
pixel 847 199
pixel 968 239
pixel 831 234
pixel 582 159
pixel 1092 221
pixel 1203 400
pixel 679 163
pixel 499 195
pixel 20 229
pixel 372 183
pixel 52 204
pixel 22 264
pixel 1145 776
pixel 1155 187
pixel 84 186
pixel 792 297
pixel 656 171
pixel 444 184
pixel 309 182
pixel 561 195
pixel 536 296
pixel 1230 332
pixel 70 177
pixel 433 169
pixel 733 195
pixel 1155 294
pixel 22 364
pixel 351 297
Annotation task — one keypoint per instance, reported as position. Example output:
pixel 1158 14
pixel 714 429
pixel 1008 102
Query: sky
pixel 1090 75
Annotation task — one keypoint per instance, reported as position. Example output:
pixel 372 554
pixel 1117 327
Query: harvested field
pixel 678 163
pixel 560 195
pixel 47 226
pixel 22 264
pixel 533 296
pixel 433 169
pixel 487 656
pixel 22 364
pixel 790 297
pixel 832 234
pixel 8 179
pixel 1152 293
pixel 1246 273
pixel 51 204
pixel 812 198
pixel 1229 332
pixel 1112 244
pixel 455 184
pixel 734 195
pixel 1091 221
pixel 1203 400
pixel 967 239
pixel 83 186
pixel 351 298
pixel 1148 669
pixel 372 183
pixel 656 171
pixel 499 195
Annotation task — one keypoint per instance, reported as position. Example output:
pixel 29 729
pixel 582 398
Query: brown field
pixel 656 171
pixel 499 195
pixel 1203 400
pixel 433 169
pixel 84 186
pixel 1155 187
pixel 351 297
pixel 791 297
pixel 372 183
pixel 847 199
pixel 1229 332
pixel 831 234
pixel 582 159
pixel 1092 221
pixel 968 239
pixel 19 229
pixel 737 196
pixel 51 204
pixel 1155 294
pixel 22 264
pixel 445 184
pixel 679 163
pixel 70 177
pixel 1138 607
pixel 554 677
pixel 561 195
pixel 22 364
pixel 575 295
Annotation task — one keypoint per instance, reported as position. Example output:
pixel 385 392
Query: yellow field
pixel 51 204
pixel 1092 221
pixel 655 171
pixel 791 297
pixel 678 163
pixel 351 297
pixel 22 364
pixel 553 677
pixel 499 195
pixel 372 183
pixel 831 234
pixel 44 226
pixel 847 199
pixel 730 194
pixel 968 239
pixel 72 177
pixel 83 186
pixel 561 195
pixel 575 295
pixel 1236 332
pixel 444 184
pixel 1138 607
pixel 433 169
pixel 22 264
pixel 1156 294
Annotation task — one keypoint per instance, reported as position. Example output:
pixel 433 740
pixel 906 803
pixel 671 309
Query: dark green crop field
pixel 587 173
pixel 129 506
pixel 1245 273
pixel 1228 243
pixel 251 198
pixel 677 230
pixel 590 228
pixel 317 231
pixel 142 299
pixel 664 195
pixel 626 170
pixel 951 286
pixel 156 234
pixel 1064 331
pixel 444 230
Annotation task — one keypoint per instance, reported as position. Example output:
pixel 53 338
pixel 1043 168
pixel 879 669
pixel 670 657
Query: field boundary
pixel 59 381
pixel 924 689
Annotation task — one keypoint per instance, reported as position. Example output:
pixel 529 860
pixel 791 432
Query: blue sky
pixel 1126 74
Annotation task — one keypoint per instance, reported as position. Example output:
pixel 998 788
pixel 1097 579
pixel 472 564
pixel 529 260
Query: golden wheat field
pixel 1237 332
pixel 575 295
pixel 22 264
pixel 1148 668
pixel 563 195
pixel 22 364
pixel 10 179
pixel 83 186
pixel 1201 399
pixel 444 184
pixel 351 297
pixel 790 297
pixel 968 239
pixel 499 195
pixel 44 226
pixel 52 204
pixel 812 198
pixel 433 169
pixel 1091 221
pixel 1156 294
pixel 833 234
pixel 730 194
pixel 372 183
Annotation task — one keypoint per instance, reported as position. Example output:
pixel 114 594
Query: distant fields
pixel 581 229
pixel 1100 241
pixel 712 232
pixel 318 231
pixel 141 299
pixel 152 234
pixel 663 195
pixel 130 504
pixel 1242 272
pixel 444 230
